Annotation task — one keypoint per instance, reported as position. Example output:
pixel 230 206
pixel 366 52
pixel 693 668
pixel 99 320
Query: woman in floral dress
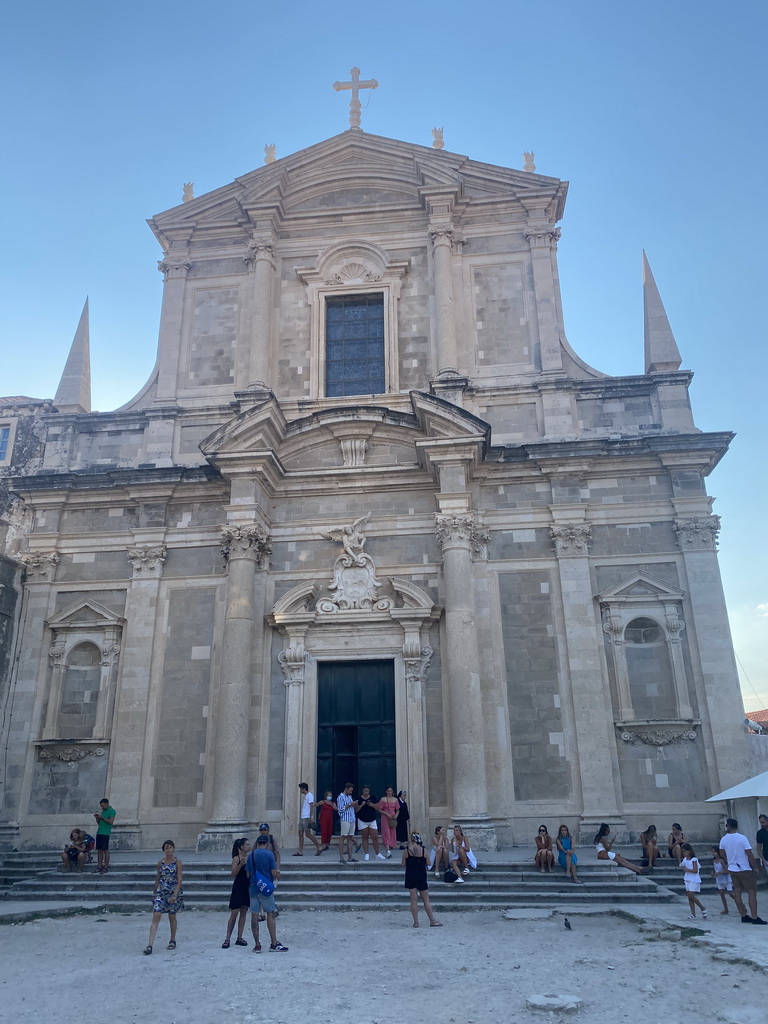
pixel 168 894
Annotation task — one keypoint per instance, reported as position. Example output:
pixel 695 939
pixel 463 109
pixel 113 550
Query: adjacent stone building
pixel 371 518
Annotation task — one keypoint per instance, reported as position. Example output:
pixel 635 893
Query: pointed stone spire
pixel 74 391
pixel 661 351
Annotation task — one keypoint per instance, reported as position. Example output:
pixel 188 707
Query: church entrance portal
pixel 355 726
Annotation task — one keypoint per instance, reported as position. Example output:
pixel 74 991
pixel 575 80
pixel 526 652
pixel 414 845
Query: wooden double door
pixel 355 726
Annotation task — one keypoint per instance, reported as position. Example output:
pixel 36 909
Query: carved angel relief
pixel 354 583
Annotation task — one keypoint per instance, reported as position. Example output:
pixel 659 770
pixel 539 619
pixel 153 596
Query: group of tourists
pixel 364 813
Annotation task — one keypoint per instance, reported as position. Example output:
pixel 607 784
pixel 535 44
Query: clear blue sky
pixel 655 113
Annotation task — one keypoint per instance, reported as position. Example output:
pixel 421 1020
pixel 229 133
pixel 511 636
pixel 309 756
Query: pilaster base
pixel 10 836
pixel 219 837
pixel 126 835
pixel 481 832
pixel 589 825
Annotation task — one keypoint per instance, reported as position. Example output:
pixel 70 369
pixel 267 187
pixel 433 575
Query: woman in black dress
pixel 403 819
pixel 239 901
pixel 415 861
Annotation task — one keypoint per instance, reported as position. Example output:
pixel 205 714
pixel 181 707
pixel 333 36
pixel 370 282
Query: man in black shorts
pixel 105 819
pixel 762 841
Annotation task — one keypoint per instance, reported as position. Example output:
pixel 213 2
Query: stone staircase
pixel 312 884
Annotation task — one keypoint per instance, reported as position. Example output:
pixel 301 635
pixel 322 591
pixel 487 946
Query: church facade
pixel 371 519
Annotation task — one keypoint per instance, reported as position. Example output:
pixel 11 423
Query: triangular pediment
pixel 84 613
pixel 641 586
pixel 352 169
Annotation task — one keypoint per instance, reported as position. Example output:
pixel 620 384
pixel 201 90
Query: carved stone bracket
pixel 57 651
pixel 247 541
pixel 39 566
pixel 147 560
pixel 460 529
pixel 417 659
pixel 571 540
pixel 293 662
pixel 173 268
pixel 353 451
pixel 660 735
pixel 697 534
pixel 544 236
pixel 614 627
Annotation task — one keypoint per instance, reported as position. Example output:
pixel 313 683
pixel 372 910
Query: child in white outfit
pixel 722 878
pixel 692 880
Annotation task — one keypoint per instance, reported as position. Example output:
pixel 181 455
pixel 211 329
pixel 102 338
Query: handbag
pixel 450 875
pixel 265 885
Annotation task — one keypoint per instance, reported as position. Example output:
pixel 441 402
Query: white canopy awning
pixel 757 786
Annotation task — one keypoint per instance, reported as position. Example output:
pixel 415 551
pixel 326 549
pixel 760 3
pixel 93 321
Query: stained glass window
pixel 354 345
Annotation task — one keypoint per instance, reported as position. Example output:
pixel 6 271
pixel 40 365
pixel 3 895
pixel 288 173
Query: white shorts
pixel 367 824
pixel 724 883
pixel 347 828
pixel 692 886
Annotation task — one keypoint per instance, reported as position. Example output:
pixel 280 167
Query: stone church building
pixel 370 519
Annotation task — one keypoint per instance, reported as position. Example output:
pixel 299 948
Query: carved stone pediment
pixel 84 615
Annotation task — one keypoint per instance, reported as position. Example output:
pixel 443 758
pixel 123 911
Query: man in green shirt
pixel 105 819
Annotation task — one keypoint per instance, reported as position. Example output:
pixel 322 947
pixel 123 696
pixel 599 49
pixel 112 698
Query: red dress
pixel 326 824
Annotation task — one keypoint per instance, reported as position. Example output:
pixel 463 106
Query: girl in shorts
pixel 722 878
pixel 692 879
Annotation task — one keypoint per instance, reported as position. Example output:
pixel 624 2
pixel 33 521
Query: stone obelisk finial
pixel 529 164
pixel 661 351
pixel 270 153
pixel 437 139
pixel 74 391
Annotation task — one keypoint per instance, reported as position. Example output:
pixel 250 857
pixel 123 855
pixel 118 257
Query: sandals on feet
pixel 171 944
pixel 436 924
pixel 225 944
pixel 147 951
pixel 240 942
pixel 297 854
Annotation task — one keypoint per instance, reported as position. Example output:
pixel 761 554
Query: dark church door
pixel 355 726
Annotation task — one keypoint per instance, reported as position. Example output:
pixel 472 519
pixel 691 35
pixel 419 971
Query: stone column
pixel 293 659
pixel 174 267
pixel 457 534
pixel 132 698
pixel 261 265
pixel 542 238
pixel 593 711
pixel 709 633
pixel 417 657
pixel 246 548
pixel 442 249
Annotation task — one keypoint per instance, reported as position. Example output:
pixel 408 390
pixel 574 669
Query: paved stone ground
pixel 478 969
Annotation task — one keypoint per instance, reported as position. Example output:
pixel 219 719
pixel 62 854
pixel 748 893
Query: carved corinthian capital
pixel 417 659
pixel 173 268
pixel 246 541
pixel 697 534
pixel 460 530
pixel 544 236
pixel 147 560
pixel 570 539
pixel 40 566
pixel 259 249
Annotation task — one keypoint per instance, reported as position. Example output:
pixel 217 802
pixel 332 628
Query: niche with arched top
pixel 651 679
pixel 80 692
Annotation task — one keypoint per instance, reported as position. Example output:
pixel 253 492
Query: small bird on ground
pixel 567 923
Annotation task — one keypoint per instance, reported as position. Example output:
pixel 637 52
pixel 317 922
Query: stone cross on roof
pixel 355 85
